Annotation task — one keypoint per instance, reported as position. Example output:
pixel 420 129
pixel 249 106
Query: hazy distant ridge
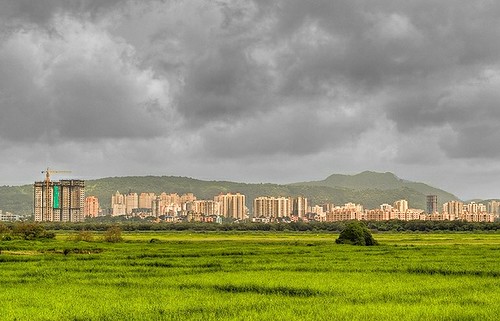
pixel 383 181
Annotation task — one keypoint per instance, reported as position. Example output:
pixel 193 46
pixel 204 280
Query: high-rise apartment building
pixel 475 208
pixel 167 204
pixel 187 198
pixel 432 204
pixel 205 207
pixel 401 206
pixel 453 208
pixel 91 208
pixel 146 200
pixel 131 202
pixel 272 207
pixel 62 201
pixel 299 206
pixel 327 207
pixel 118 206
pixel 494 207
pixel 232 205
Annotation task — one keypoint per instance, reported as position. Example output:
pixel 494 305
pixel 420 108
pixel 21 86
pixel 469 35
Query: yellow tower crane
pixel 48 172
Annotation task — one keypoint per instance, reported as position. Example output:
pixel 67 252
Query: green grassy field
pixel 252 276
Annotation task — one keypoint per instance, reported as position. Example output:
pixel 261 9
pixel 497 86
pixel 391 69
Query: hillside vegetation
pixel 368 188
pixel 386 182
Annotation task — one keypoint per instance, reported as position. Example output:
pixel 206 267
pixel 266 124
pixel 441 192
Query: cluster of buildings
pixel 453 210
pixel 65 201
pixel 175 207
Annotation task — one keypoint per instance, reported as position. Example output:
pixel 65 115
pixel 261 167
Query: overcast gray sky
pixel 252 91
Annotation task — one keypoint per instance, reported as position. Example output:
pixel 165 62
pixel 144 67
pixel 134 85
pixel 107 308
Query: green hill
pixel 17 199
pixel 387 182
pixel 368 188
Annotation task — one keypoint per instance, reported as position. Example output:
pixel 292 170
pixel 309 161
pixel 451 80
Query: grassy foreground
pixel 252 276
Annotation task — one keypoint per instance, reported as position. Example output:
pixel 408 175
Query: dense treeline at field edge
pixel 380 226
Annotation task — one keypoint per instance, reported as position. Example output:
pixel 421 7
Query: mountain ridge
pixel 377 180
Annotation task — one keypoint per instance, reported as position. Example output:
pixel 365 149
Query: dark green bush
pixel 4 229
pixel 32 231
pixel 356 233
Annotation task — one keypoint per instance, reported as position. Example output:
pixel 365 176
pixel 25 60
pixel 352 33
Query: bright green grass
pixel 252 276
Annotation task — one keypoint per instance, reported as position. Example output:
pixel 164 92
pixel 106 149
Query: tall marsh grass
pixel 251 276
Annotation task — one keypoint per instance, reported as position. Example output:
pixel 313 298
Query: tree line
pixel 376 226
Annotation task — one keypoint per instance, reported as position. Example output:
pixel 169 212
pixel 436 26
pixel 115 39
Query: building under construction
pixel 59 201
pixel 432 204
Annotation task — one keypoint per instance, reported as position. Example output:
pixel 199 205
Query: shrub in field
pixel 4 232
pixel 113 234
pixel 356 233
pixel 85 236
pixel 31 231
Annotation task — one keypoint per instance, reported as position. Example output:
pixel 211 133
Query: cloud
pixel 77 82
pixel 21 12
pixel 394 84
pixel 473 113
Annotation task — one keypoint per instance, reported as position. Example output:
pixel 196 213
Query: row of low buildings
pixel 267 209
pixel 468 212
pixel 9 217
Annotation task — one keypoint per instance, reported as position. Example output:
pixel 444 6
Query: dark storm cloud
pixel 76 82
pixel 41 12
pixel 417 52
pixel 239 80
pixel 240 61
pixel 222 85
pixel 290 130
pixel 478 140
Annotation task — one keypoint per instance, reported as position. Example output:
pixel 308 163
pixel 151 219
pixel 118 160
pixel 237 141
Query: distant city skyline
pixel 265 209
pixel 252 91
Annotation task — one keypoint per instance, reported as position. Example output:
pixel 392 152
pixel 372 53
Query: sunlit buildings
pixel 266 206
pixel 146 200
pixel 494 208
pixel 299 206
pixel 91 208
pixel 454 209
pixel 401 206
pixel 9 217
pixel 386 207
pixel 131 202
pixel 232 205
pixel 118 206
pixel 349 211
pixel 204 207
pixel 170 204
